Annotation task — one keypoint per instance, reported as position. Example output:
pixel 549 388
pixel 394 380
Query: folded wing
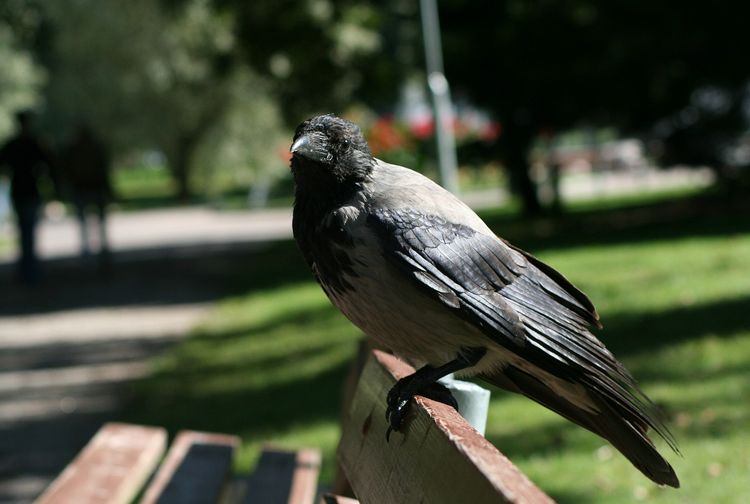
pixel 531 310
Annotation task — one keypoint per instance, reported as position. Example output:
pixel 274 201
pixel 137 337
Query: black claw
pixel 424 382
pixel 440 393
pixel 401 395
pixel 398 401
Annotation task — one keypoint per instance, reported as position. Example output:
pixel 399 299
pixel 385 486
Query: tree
pixel 151 79
pixel 319 55
pixel 559 64
pixel 144 74
pixel 20 80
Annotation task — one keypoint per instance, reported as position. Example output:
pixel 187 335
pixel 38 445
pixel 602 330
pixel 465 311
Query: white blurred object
pixel 441 97
pixel 54 211
pixel 627 153
pixel 473 401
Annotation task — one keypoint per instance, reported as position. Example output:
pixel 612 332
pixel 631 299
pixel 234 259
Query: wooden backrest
pixel 284 477
pixel 112 467
pixel 195 470
pixel 437 458
pixel 116 463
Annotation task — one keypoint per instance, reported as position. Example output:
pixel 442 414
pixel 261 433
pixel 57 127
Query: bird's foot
pixel 401 395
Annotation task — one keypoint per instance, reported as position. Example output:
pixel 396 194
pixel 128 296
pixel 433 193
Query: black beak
pixel 310 148
pixel 301 145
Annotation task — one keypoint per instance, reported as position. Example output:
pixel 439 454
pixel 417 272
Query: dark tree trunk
pixel 180 164
pixel 181 160
pixel 517 140
pixel 554 172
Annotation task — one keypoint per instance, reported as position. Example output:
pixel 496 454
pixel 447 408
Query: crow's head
pixel 328 147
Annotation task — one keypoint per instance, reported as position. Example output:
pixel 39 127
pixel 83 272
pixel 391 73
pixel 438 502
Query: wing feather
pixel 519 302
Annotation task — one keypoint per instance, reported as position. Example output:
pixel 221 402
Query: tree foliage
pixel 199 79
pixel 317 53
pixel 21 78
pixel 147 77
pixel 151 79
pixel 558 64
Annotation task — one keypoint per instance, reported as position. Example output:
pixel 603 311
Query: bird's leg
pixel 424 382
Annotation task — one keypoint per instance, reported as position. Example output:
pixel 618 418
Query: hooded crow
pixel 419 272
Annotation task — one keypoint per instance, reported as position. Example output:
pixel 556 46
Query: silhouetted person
pixel 86 164
pixel 27 160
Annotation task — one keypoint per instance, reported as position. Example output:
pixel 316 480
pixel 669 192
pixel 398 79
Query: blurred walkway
pixel 71 348
pixel 168 228
pixel 155 230
pixel 63 375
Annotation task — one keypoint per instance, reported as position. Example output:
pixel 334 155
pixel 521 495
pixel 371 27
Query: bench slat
pixel 194 471
pixel 284 477
pixel 111 468
pixel 438 458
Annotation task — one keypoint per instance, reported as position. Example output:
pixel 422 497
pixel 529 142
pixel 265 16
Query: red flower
pixel 422 128
pixel 384 136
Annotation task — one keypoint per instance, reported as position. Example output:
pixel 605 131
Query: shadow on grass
pixel 635 333
pixel 321 315
pixel 690 419
pixel 255 411
pixel 55 355
pixel 262 384
pixel 157 277
pixel 191 374
pixel 708 214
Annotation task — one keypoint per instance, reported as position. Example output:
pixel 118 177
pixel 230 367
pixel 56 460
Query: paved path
pixel 192 226
pixel 177 227
pixel 70 347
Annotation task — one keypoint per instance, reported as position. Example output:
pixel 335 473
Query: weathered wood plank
pixel 438 458
pixel 111 468
pixel 284 477
pixel 195 469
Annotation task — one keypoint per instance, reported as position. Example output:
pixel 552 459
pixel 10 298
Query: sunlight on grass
pixel 655 275
pixel 6 245
pixel 142 182
pixel 676 312
pixel 703 391
pixel 269 364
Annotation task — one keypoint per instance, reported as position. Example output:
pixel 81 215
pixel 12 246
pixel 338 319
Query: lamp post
pixel 441 96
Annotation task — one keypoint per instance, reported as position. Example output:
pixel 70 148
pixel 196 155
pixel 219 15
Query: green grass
pixel 675 311
pixel 142 187
pixel 6 245
pixel 670 279
pixel 151 187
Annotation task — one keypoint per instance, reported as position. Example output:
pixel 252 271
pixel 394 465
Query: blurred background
pixel 146 262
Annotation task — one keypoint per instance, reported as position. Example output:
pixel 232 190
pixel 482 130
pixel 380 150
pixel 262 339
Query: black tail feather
pixel 628 436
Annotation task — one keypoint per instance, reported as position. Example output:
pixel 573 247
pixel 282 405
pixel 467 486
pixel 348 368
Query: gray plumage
pixel 422 274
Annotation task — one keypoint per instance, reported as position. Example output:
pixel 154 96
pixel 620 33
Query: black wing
pixel 531 310
pixel 494 285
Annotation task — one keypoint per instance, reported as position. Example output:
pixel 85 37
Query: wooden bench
pixel 121 458
pixel 437 458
